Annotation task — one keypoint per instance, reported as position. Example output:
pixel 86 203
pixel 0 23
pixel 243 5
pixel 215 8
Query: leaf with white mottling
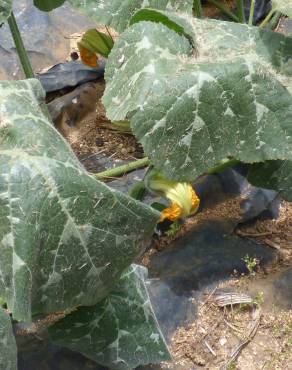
pixel 283 6
pixel 8 350
pixel 5 10
pixel 118 13
pixel 121 331
pixel 65 237
pixel 276 175
pixel 189 112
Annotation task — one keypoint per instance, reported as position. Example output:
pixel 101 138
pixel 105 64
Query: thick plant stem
pixel 22 54
pixel 251 12
pixel 198 8
pixel 240 11
pixel 274 21
pixel 224 10
pixel 121 170
pixel 267 19
pixel 223 165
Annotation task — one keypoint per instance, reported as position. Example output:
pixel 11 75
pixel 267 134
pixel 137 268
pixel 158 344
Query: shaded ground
pixel 85 126
pixel 273 233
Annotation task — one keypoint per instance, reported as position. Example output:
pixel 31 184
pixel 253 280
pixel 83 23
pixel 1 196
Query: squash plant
pixel 197 93
pixel 67 243
pixel 202 91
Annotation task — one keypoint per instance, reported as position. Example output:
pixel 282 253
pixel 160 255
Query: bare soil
pixel 273 233
pixel 90 131
pixel 242 337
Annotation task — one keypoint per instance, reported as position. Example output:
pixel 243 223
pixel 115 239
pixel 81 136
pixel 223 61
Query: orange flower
pixel 174 212
pixel 171 213
pixel 184 200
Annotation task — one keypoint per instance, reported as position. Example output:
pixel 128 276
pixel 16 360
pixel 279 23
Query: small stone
pixel 74 55
pixel 222 341
pixel 99 141
pixel 124 151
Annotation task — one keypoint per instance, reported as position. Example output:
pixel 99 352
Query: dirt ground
pixel 242 337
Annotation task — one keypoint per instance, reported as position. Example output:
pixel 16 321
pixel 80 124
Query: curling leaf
pixel 231 99
pixel 65 237
pixel 121 331
pixel 117 13
pixel 174 21
pixel 8 351
pixel 5 10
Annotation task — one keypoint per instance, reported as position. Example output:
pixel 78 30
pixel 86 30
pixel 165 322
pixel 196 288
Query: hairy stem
pixel 267 19
pixel 251 12
pixel 198 8
pixel 224 10
pixel 22 54
pixel 121 170
pixel 240 11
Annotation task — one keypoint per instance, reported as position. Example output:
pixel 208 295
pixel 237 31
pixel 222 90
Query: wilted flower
pixel 94 42
pixel 88 57
pixel 184 200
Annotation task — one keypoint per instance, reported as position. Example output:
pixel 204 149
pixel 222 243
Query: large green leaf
pixel 232 98
pixel 48 5
pixel 5 10
pixel 283 6
pixel 275 175
pixel 8 350
pixel 121 331
pixel 65 238
pixel 117 13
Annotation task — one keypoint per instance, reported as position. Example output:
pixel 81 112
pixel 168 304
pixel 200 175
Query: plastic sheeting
pixel 45 37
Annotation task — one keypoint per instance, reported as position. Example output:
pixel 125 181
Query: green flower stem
pixel 251 12
pixel 121 170
pixel 224 10
pixel 22 54
pixel 198 8
pixel 223 165
pixel 240 11
pixel 267 19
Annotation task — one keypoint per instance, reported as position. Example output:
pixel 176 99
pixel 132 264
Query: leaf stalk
pixel 198 8
pixel 267 19
pixel 251 12
pixel 21 51
pixel 240 11
pixel 122 170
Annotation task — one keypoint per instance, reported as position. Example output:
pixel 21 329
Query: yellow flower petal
pixel 195 202
pixel 171 213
